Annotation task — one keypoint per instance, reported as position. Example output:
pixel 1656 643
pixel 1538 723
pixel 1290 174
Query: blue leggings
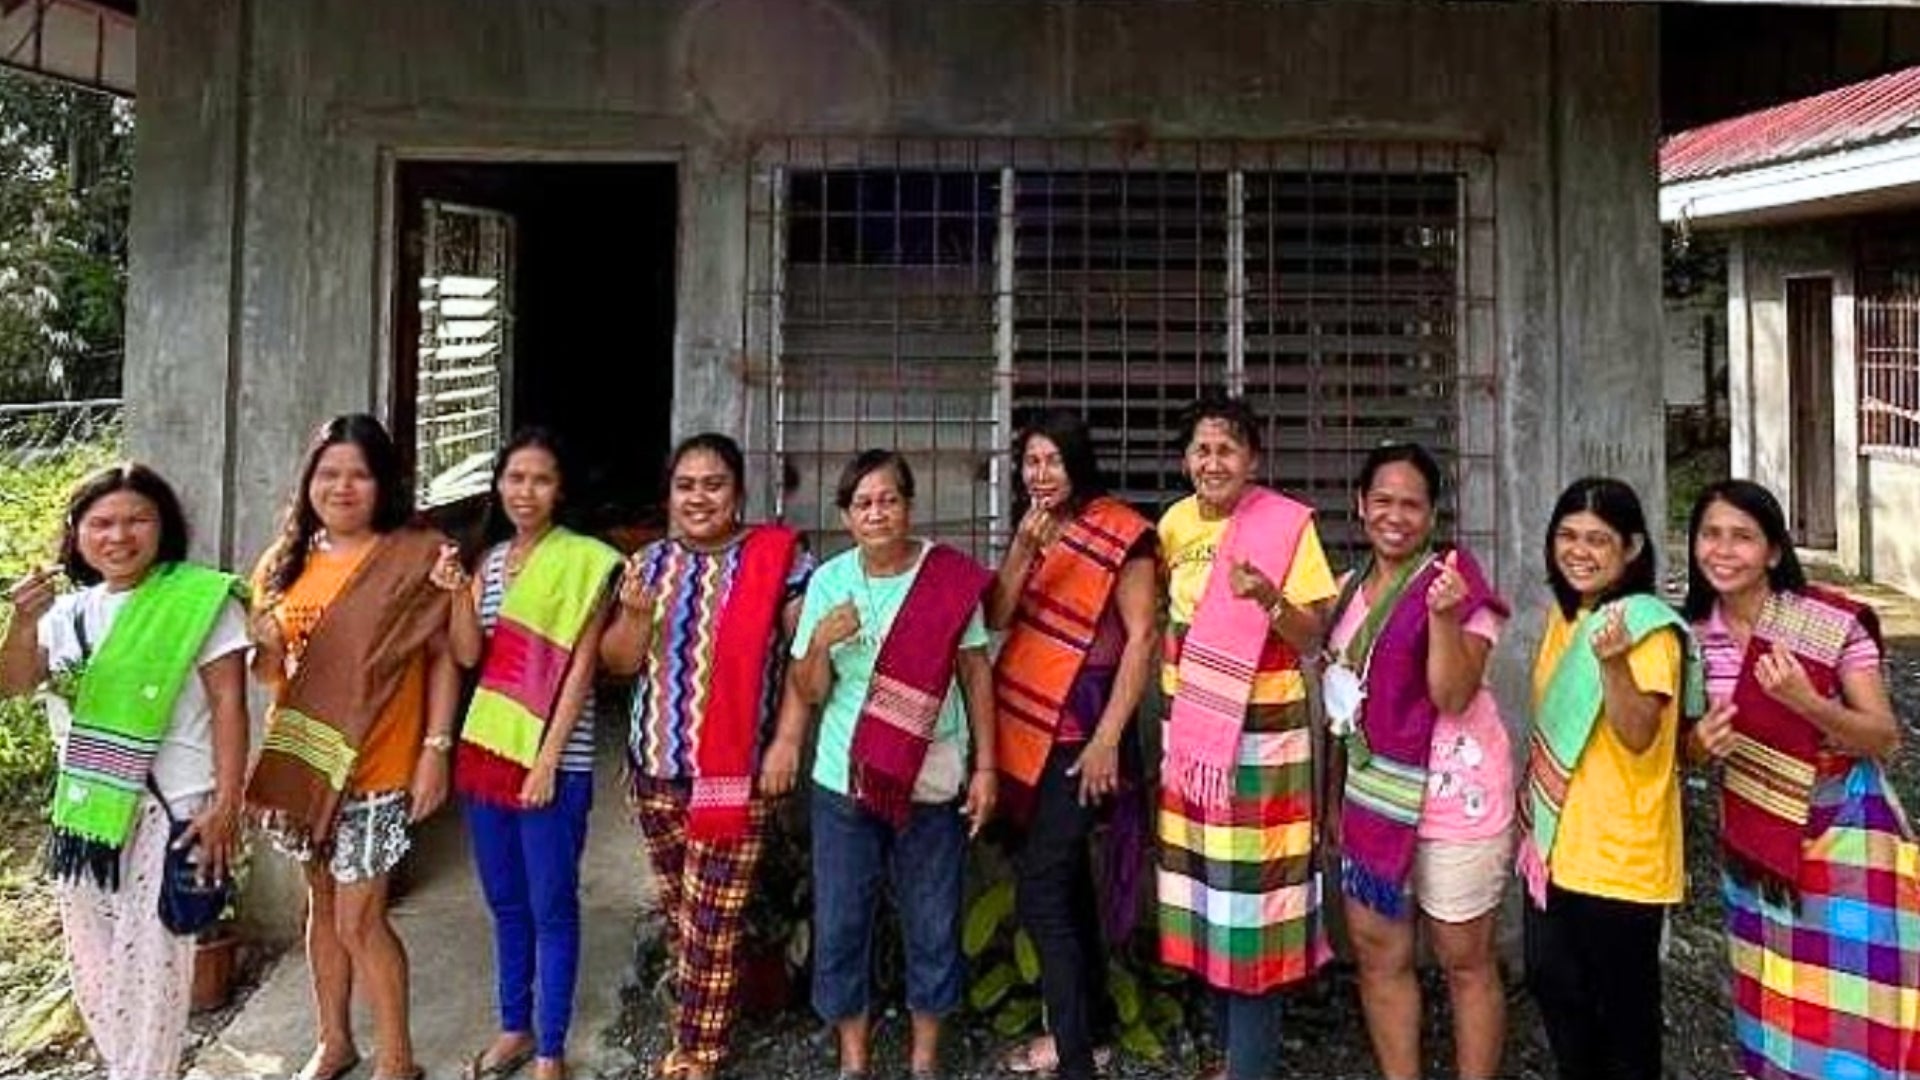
pixel 529 864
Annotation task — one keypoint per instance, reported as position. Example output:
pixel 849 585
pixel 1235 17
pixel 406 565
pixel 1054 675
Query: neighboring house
pixel 1820 202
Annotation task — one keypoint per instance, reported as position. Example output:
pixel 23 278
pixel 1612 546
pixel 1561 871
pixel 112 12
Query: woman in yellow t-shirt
pixel 1601 850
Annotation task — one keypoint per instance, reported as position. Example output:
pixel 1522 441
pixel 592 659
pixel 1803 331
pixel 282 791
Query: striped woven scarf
pixel 910 681
pixel 1220 653
pixel 124 707
pixel 1771 772
pixel 542 615
pixel 1566 715
pixel 1058 618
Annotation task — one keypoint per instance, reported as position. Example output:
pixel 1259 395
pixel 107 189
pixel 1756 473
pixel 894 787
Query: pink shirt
pixel 1470 765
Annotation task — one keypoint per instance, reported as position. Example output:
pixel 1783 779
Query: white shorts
pixel 1458 881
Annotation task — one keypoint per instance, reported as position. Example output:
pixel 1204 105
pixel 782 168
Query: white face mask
pixel 1342 692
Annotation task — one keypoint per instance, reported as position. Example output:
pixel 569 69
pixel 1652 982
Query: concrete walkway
pixel 449 939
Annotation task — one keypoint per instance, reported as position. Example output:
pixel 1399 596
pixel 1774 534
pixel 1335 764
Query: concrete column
pixel 185 294
pixel 1739 360
pixel 710 387
pixel 1847 487
pixel 1607 127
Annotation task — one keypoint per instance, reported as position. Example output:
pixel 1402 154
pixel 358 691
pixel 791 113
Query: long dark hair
pixel 1759 504
pixel 1068 433
pixel 126 476
pixel 393 500
pixel 498 526
pixel 1615 503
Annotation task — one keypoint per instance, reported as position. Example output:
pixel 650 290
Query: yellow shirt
pixel 1188 542
pixel 1620 834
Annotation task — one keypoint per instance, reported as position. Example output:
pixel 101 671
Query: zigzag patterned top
pixel 671 690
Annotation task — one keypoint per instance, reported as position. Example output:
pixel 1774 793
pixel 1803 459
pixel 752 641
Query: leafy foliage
pixel 1005 985
pixel 66 183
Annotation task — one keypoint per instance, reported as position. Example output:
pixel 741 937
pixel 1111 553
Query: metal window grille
pixel 1889 377
pixel 465 351
pixel 921 294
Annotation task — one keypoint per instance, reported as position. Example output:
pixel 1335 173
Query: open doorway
pixel 536 293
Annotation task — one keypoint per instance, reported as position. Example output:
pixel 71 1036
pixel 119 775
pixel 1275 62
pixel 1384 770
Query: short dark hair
pixel 1401 453
pixel 720 446
pixel 866 463
pixel 1759 504
pixel 1067 431
pixel 1615 503
pixel 1234 412
pixel 393 496
pixel 126 476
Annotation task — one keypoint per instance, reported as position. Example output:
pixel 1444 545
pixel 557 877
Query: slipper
pixel 478 1069
pixel 338 1072
pixel 671 1066
pixel 1023 1060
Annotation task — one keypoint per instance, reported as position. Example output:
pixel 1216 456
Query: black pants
pixel 1593 966
pixel 1056 903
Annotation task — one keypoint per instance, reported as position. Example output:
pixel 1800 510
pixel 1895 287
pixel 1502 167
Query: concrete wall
pixel 268 127
pixel 1890 494
pixel 1759 266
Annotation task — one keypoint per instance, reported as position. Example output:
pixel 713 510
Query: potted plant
pixel 779 918
pixel 216 952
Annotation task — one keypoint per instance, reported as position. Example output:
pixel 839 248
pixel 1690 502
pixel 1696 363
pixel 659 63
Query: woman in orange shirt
pixel 350 636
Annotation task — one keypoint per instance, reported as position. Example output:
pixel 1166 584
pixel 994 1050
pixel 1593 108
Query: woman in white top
pixel 144 677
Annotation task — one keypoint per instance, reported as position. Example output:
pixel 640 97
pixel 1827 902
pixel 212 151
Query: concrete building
pixel 1820 202
pixel 823 224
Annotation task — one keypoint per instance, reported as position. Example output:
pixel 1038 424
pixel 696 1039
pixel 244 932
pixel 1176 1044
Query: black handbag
pixel 188 905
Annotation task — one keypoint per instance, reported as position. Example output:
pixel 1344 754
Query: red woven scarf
pixel 910 681
pixel 1774 765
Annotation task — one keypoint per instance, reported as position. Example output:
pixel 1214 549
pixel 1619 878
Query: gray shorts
pixel 371 834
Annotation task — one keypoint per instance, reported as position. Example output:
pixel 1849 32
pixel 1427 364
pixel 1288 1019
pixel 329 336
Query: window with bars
pixel 924 296
pixel 464 354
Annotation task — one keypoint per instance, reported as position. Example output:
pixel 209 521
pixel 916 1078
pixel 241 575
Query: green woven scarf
pixel 121 712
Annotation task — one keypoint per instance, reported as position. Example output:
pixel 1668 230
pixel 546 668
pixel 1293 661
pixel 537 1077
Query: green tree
pixel 66 181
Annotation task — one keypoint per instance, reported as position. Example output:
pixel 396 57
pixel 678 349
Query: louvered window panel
pixel 1350 338
pixel 887 340
pixel 464 353
pixel 926 294
pixel 1120 310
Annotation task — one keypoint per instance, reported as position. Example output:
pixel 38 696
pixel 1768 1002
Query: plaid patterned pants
pixel 703 897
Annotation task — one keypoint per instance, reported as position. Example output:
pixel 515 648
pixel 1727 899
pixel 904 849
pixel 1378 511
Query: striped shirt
pixel 578 754
pixel 671 691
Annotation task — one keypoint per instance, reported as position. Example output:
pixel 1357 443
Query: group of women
pixel 1327 740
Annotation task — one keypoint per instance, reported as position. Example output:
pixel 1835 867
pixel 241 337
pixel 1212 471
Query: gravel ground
pixel 1323 1033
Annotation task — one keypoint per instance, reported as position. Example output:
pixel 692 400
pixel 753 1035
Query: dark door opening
pixel 1810 397
pixel 537 294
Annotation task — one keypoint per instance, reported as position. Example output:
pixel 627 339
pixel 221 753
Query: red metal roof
pixel 1872 111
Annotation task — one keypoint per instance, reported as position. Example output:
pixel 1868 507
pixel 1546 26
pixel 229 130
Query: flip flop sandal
pixel 338 1072
pixel 478 1069
pixel 1025 1060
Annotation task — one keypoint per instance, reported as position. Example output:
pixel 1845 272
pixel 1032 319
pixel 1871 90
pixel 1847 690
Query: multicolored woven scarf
pixel 1386 783
pixel 1221 651
pixel 1060 607
pixel 542 616
pixel 910 681
pixel 1567 714
pixel 354 661
pixel 744 637
pixel 1770 774
pixel 121 713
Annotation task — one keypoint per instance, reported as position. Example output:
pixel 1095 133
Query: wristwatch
pixel 439 742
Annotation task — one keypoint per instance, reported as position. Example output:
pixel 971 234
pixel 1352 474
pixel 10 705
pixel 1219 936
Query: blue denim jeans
pixel 854 853
pixel 529 865
pixel 1249 1027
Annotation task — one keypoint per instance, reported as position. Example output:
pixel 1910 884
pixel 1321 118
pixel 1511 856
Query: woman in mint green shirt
pixel 894 790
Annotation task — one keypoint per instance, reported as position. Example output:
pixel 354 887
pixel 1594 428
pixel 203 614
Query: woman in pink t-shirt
pixel 1426 806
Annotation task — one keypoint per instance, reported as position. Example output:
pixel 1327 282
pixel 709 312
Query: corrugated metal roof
pixel 1876 110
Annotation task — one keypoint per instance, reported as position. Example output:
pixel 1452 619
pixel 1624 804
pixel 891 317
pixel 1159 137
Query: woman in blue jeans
pixel 892 767
pixel 530 618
